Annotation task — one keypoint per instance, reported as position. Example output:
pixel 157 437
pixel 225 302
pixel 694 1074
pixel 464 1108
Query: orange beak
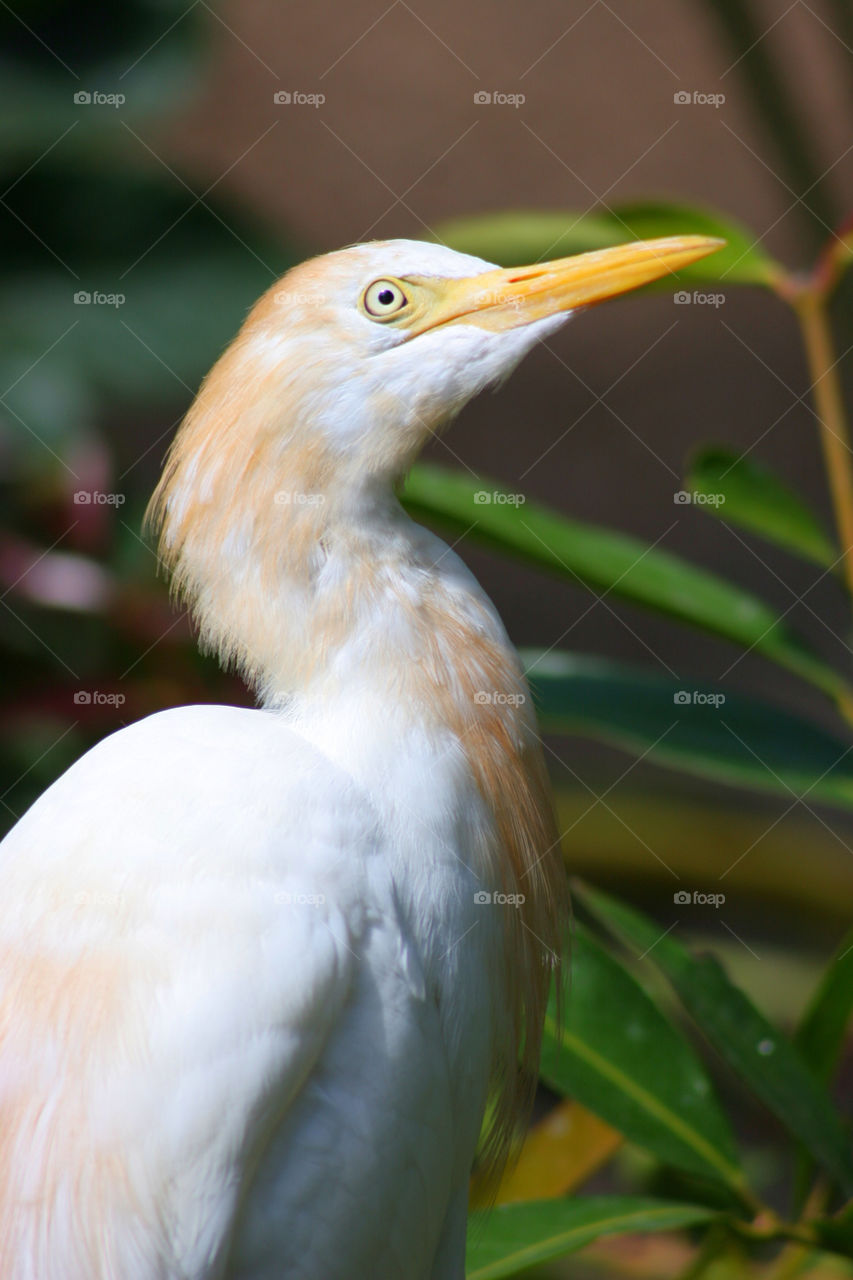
pixel 506 298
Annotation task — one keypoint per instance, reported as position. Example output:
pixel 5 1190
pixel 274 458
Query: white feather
pixel 267 963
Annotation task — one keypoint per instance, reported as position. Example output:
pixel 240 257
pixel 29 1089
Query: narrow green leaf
pixel 751 1045
pixel 617 1054
pixel 516 237
pixel 606 560
pixel 741 492
pixel 820 1035
pixel 513 1237
pixel 707 731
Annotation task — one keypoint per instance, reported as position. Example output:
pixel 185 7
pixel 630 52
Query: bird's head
pixel 340 374
pixel 366 352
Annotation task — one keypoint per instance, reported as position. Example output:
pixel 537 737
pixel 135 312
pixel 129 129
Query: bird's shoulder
pixel 190 778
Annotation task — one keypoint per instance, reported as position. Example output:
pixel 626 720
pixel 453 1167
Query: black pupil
pixel 386 297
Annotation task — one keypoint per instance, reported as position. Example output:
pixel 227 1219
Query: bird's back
pixel 211 995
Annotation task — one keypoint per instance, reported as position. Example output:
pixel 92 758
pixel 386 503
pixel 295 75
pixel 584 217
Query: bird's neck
pixel 348 616
pixel 330 600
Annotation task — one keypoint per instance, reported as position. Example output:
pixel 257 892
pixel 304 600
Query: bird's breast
pixel 379 1143
pixel 392 1110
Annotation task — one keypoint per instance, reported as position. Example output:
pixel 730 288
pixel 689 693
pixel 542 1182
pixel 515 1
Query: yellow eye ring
pixel 383 299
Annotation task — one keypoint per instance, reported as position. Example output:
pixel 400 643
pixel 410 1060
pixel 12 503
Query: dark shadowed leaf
pixel 837 1233
pixel 820 1035
pixel 750 495
pixel 705 730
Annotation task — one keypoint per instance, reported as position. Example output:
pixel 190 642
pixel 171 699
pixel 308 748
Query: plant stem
pixel 769 1226
pixel 835 439
pixel 809 298
pixel 826 389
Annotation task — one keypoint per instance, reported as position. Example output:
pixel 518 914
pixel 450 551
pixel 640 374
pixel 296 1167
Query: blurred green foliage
pixel 121 282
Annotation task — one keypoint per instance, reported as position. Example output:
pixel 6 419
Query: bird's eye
pixel 383 298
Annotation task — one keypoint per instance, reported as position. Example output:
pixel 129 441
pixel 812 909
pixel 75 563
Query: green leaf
pixel 820 1035
pixel 751 1045
pixel 517 237
pixel 746 494
pixel 512 1237
pixel 614 562
pixel 707 731
pixel 617 1054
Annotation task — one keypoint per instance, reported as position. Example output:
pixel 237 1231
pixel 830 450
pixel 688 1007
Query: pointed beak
pixel 506 299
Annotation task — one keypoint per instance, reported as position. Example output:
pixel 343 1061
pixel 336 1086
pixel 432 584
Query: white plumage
pixel 251 1007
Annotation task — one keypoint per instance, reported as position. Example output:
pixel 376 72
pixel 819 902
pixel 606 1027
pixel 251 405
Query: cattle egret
pixel 263 973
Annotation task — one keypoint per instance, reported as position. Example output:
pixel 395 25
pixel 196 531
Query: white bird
pixel 263 973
